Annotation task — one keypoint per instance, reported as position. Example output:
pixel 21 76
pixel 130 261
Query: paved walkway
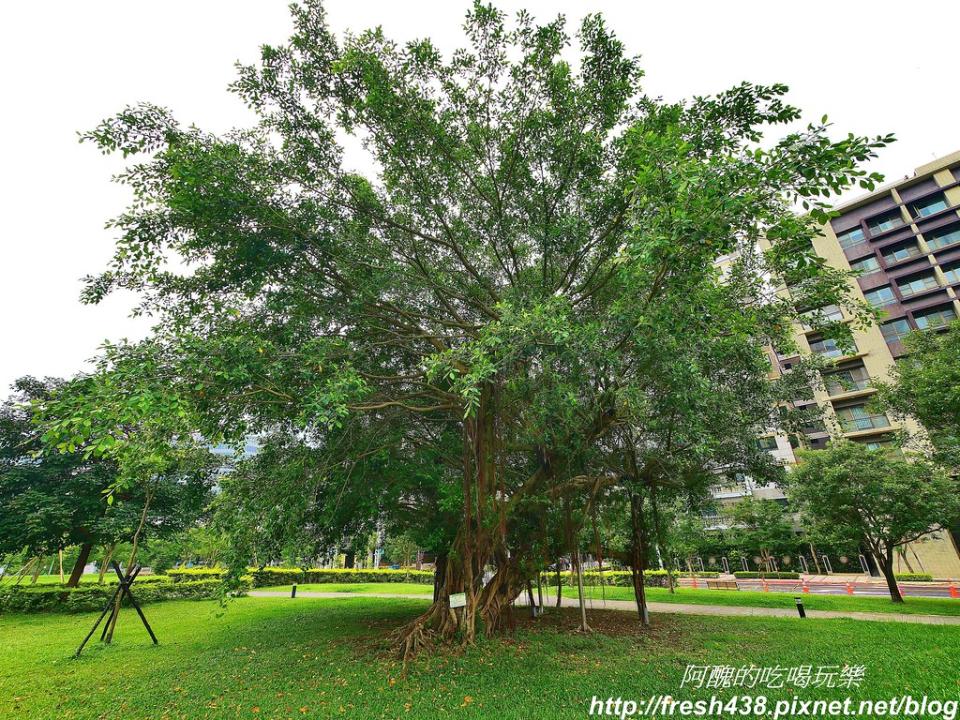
pixel 659 607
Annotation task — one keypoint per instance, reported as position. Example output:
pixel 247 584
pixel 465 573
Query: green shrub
pixel 914 577
pixel 751 575
pixel 197 573
pixel 87 597
pixel 285 576
pixel 111 579
pixel 617 578
pixel 320 575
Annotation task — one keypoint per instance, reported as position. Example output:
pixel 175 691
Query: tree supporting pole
pixel 106 609
pixel 583 608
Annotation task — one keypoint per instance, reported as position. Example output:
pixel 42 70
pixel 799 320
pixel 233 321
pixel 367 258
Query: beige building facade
pixel 903 241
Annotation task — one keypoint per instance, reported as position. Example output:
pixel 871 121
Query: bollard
pixel 293 591
pixel 953 591
pixel 803 613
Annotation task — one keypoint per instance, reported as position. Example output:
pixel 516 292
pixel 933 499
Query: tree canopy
pixel 851 495
pixel 513 312
pixel 926 385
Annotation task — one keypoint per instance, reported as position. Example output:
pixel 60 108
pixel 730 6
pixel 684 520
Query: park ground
pixel 685 596
pixel 282 658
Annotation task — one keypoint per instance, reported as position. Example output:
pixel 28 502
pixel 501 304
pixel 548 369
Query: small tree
pixel 761 526
pixel 848 493
pixel 401 549
pixel 926 385
pixel 48 502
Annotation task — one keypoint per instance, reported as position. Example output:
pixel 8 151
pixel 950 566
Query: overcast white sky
pixel 873 66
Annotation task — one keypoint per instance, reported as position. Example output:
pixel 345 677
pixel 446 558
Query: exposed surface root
pixel 438 623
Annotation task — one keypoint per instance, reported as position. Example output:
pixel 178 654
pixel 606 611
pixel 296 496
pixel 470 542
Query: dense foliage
pixel 514 321
pixel 848 493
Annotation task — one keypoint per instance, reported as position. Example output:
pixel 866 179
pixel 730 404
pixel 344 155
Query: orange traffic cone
pixel 695 586
pixel 766 587
pixel 953 591
pixel 806 587
pixel 849 588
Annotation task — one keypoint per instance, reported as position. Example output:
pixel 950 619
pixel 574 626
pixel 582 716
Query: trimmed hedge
pixel 914 577
pixel 52 598
pixel 742 575
pixel 618 578
pixel 285 576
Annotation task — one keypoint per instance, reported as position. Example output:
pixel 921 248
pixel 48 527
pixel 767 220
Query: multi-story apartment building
pixel 903 240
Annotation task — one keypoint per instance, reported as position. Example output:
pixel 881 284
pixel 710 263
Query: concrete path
pixel 659 607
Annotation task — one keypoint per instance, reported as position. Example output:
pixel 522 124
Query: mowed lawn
pixel 358 588
pixel 280 658
pixel 811 601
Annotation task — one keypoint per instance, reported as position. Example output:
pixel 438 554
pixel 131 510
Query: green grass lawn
pixel 359 588
pixel 912 605
pixel 274 658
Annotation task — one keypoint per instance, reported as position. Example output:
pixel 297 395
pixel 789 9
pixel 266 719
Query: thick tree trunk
pixel 439 572
pixel 638 557
pixel 887 568
pixel 659 533
pixel 584 627
pixel 79 565
pixel 481 539
pixel 533 604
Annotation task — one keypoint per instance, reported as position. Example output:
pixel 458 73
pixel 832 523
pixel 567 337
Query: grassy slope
pixel 266 658
pixel 912 606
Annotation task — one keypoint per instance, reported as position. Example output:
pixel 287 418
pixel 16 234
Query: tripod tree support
pixel 113 606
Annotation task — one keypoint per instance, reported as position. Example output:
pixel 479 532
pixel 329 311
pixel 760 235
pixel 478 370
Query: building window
pixel 881 296
pixel 944 237
pixel 929 206
pixel 767 443
pixel 885 446
pixel 895 330
pixel 917 283
pixel 846 380
pixel 851 237
pixel 936 318
pixel 857 417
pixel 952 273
pixel 889 221
pixel 826 347
pixel 825 314
pixel 897 253
pixel 866 265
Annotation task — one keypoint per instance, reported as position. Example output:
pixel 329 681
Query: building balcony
pixel 864 425
pixel 730 492
pixel 855 389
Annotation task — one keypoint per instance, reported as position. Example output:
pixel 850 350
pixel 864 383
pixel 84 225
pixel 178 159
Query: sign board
pixel 458 600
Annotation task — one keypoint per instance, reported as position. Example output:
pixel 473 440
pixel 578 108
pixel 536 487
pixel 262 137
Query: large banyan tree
pixel 518 282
